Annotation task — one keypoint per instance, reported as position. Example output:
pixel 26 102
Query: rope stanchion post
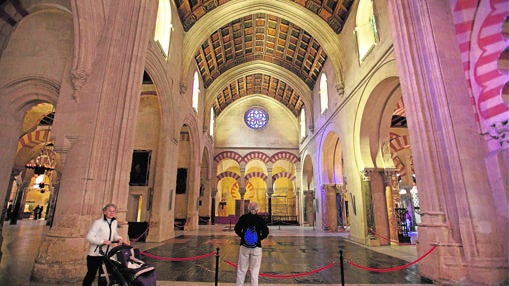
pixel 342 268
pixel 217 266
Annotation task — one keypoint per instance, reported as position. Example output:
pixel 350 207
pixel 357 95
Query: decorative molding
pixel 79 79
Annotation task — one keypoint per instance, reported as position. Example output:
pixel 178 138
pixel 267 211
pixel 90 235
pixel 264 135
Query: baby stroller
pixel 122 266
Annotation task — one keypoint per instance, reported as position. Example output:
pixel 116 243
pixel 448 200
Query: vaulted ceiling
pixel 264 37
pixel 260 37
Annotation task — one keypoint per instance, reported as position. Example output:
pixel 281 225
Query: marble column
pixel 392 197
pixel 367 198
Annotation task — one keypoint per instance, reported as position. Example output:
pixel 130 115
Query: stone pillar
pixel 110 49
pixel 309 197
pixel 331 208
pixel 162 215
pixel 367 199
pixel 299 204
pixel 9 135
pixel 213 206
pixel 270 192
pixel 457 205
pixel 392 197
pixel 13 180
pixel 380 206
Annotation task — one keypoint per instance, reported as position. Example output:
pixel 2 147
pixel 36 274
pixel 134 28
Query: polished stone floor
pixel 292 255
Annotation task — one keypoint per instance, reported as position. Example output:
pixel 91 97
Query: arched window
pixel 324 96
pixel 365 28
pixel 211 122
pixel 163 26
pixel 196 91
pixel 302 123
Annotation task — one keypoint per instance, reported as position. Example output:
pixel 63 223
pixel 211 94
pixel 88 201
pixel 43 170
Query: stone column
pixel 213 206
pixel 457 205
pixel 270 192
pixel 110 49
pixel 367 199
pixel 392 197
pixel 9 135
pixel 13 180
pixel 299 204
pixel 162 215
pixel 242 192
pixel 331 208
pixel 309 197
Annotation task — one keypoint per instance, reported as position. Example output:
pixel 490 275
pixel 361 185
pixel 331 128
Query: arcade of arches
pixel 365 117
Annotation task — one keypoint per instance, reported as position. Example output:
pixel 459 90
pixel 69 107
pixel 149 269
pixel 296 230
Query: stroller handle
pixel 99 247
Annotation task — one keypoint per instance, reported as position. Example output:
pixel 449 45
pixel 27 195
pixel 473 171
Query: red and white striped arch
pixel 478 26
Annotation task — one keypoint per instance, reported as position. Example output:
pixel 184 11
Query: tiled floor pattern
pixel 289 251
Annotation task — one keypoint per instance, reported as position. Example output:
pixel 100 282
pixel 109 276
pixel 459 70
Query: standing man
pixel 252 229
pixel 101 235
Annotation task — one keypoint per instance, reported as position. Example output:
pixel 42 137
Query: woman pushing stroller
pixel 101 235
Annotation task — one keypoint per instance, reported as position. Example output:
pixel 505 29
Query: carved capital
pixel 309 194
pixel 500 132
pixel 340 89
pixel 367 173
pixel 182 88
pixel 388 174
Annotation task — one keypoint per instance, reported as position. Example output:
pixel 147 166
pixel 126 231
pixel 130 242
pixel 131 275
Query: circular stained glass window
pixel 256 118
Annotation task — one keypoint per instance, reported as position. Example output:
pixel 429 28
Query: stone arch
pixel 256 155
pixel 308 173
pixel 155 68
pixel 228 155
pixel 21 94
pixel 285 155
pixel 331 159
pixel 373 102
pixel 228 176
pixel 308 191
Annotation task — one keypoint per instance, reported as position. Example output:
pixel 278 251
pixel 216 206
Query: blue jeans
pixel 249 258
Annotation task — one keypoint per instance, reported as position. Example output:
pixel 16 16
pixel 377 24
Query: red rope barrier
pixel 177 259
pixel 387 239
pixel 136 239
pixel 288 275
pixel 393 268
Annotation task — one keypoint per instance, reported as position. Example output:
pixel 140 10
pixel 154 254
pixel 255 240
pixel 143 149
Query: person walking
pixel 252 229
pixel 102 234
pixel 36 212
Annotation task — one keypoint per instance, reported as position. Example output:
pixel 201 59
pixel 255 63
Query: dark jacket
pixel 247 221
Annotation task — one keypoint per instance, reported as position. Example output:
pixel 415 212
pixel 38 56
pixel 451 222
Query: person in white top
pixel 102 234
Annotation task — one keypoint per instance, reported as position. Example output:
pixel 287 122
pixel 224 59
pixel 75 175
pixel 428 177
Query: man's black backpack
pixel 251 237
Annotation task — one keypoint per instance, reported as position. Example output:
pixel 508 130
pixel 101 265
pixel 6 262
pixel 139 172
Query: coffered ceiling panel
pixel 333 12
pixel 258 84
pixel 261 37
